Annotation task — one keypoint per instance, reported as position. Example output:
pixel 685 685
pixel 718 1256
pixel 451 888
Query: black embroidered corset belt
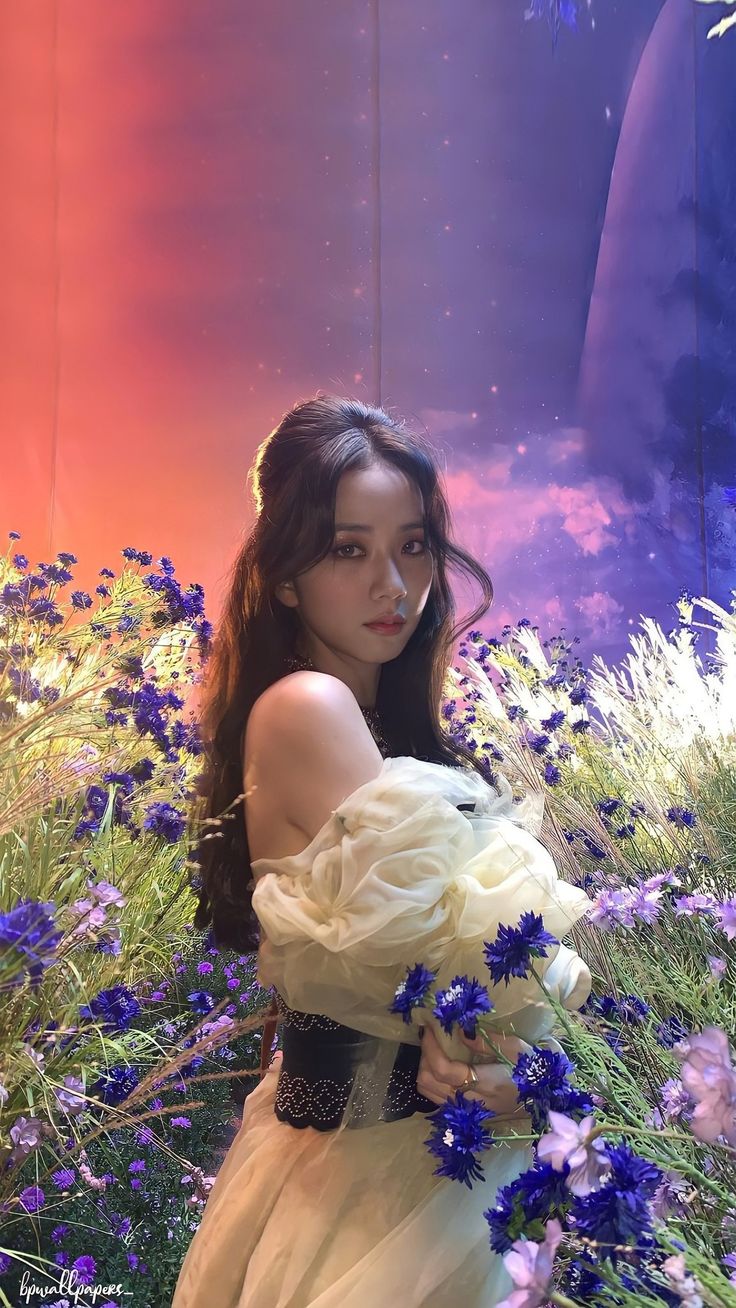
pixel 318 1073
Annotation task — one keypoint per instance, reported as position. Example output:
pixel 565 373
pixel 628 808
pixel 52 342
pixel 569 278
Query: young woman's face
pixel 380 566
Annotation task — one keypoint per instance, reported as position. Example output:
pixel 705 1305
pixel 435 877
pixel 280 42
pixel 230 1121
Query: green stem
pixel 561 1299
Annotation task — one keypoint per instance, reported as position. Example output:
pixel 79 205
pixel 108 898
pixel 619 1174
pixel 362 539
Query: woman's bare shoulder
pixel 307 747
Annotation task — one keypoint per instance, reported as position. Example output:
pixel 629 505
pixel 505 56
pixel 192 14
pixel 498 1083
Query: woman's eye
pixel 352 546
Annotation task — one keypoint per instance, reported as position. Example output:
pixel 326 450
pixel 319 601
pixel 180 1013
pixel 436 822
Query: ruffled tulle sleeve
pixel 420 865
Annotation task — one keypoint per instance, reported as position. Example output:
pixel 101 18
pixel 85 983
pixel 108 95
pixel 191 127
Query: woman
pixel 375 841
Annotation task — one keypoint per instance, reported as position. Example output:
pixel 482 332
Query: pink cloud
pixel 586 517
pixel 600 610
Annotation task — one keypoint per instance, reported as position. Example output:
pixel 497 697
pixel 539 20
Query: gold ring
pixel 470 1080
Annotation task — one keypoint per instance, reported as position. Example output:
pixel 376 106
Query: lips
pixel 386 622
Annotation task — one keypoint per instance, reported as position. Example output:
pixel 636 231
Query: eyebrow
pixel 362 526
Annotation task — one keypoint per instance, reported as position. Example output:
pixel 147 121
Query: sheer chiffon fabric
pixel 355 1218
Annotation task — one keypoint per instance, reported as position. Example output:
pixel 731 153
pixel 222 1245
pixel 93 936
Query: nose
pixel 390 581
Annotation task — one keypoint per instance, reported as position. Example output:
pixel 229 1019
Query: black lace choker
pixel 296 663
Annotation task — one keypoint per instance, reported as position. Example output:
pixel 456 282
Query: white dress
pixel 355 1218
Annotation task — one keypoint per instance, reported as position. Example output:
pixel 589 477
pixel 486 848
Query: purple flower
pixel 180 1121
pixel 64 1178
pixel 26 1134
pixel 727 918
pixel 645 904
pixel 85 1268
pixel 463 1002
pixel 71 1098
pixel 670 1031
pixel 612 908
pixel 708 1075
pixel 458 1134
pixel 674 1100
pixel 530 1266
pixel 689 905
pixel 551 774
pixel 32 1198
pixel 514 947
pixel 29 929
pixel 566 1142
pixel 204 968
pixel 60 1232
pixel 411 992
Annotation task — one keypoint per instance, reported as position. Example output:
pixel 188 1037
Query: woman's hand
pixel 439 1077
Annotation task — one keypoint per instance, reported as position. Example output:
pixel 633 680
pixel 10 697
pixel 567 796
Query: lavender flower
pixel 463 1002
pixel 566 1142
pixel 514 947
pixel 727 918
pixel 530 1266
pixel 708 1075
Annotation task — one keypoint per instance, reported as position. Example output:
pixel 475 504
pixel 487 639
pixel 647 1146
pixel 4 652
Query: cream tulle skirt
pixel 343 1219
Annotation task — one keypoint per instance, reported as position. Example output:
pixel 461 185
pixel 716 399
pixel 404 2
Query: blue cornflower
pixel 56 572
pixel 412 991
pixel 537 741
pixel 463 1002
pixel 458 1134
pixel 201 1001
pixel 514 947
pixel 681 817
pixel 116 1007
pixel 554 721
pixel 115 1084
pixel 593 848
pixel 20 561
pixel 578 695
pixel 618 1213
pixel 81 599
pixel 164 820
pixel 541 1082
pixel 633 1009
pixel 552 774
pixel 608 806
pixel 670 1032
pixel 535 1196
pixel 30 930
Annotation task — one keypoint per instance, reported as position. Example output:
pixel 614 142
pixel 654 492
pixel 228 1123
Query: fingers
pixel 494 1045
pixel 437 1066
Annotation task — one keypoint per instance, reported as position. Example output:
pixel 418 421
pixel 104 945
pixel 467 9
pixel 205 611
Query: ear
pixel 286 592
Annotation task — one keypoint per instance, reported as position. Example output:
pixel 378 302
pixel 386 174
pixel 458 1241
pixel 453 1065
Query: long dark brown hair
pixel 294 480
